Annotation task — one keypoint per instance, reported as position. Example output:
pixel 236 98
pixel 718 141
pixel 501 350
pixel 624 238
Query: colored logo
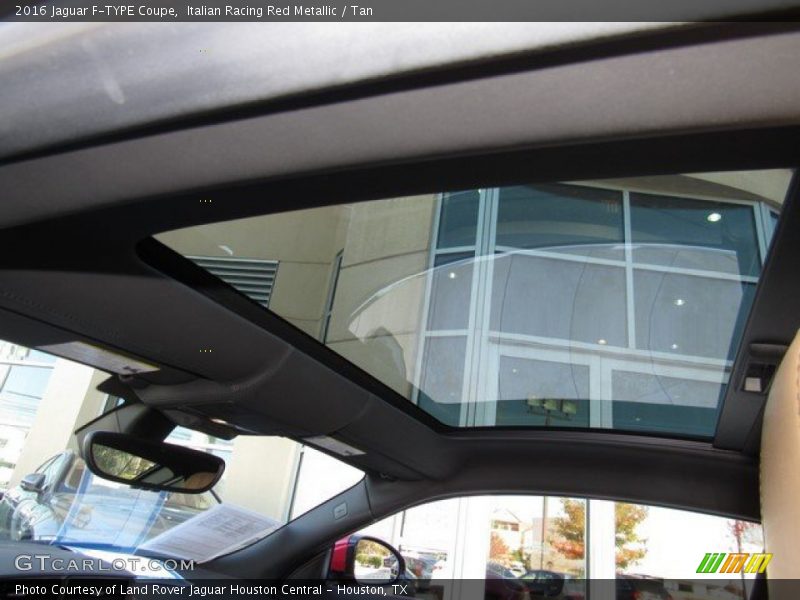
pixel 720 562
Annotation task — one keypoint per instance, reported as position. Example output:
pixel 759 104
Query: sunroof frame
pixel 606 160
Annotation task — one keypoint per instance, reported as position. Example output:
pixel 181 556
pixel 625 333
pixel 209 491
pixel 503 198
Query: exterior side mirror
pixel 149 464
pixel 33 482
pixel 366 560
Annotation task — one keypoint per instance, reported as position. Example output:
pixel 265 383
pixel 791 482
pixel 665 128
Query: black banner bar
pixel 276 11
pixel 76 587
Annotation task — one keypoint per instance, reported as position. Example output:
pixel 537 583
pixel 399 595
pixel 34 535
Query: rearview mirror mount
pixel 149 464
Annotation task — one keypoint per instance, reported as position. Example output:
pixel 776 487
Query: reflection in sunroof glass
pixel 613 304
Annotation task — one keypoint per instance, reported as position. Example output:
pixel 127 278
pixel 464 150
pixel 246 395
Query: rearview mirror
pixel 149 464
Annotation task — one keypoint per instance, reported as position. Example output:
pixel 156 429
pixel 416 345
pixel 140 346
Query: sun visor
pixel 99 358
pixel 296 396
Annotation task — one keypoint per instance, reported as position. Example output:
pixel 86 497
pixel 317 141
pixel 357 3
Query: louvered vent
pixel 254 278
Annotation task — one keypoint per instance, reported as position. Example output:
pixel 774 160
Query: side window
pixel 511 547
pixel 534 546
pixel 319 477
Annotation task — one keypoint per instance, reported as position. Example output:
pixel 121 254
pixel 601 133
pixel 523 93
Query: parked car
pixel 574 589
pixel 502 584
pixel 41 506
pixel 543 583
pixel 632 587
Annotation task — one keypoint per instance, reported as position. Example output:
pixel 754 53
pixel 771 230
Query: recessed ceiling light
pixel 452 275
pixel 226 249
pixel 714 217
pixel 679 301
pixel 602 342
pixel 674 346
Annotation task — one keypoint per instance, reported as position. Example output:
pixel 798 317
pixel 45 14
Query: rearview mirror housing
pixel 151 465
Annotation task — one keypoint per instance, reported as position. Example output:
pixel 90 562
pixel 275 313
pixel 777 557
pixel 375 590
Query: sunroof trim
pixel 397 341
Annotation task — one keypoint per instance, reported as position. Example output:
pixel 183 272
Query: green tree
pixel 571 529
pixel 570 540
pixel 522 556
pixel 119 463
pixel 627 518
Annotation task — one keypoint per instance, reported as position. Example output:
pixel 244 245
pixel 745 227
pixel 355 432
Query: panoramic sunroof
pixel 613 304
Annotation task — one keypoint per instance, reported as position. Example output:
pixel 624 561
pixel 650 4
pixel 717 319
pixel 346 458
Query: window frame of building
pixel 327 311
pixel 484 346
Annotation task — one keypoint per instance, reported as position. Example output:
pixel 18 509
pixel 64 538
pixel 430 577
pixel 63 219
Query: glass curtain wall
pixel 519 276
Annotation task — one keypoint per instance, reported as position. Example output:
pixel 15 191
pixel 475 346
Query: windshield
pixel 48 496
pixel 597 304
pixel 85 510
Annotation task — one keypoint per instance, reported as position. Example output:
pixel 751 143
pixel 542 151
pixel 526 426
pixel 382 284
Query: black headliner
pixel 76 262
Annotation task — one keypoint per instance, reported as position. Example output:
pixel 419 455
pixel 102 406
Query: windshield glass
pixel 597 304
pixel 48 496
pixel 88 510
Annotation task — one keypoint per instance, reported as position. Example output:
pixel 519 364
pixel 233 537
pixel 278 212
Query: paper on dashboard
pixel 217 531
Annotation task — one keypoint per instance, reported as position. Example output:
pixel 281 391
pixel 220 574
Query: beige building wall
pixel 303 242
pixel 261 474
pixel 378 305
pixel 758 186
pixel 377 312
pixel 70 400
pixel 770 185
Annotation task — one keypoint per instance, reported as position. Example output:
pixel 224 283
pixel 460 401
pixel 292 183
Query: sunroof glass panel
pixel 613 304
